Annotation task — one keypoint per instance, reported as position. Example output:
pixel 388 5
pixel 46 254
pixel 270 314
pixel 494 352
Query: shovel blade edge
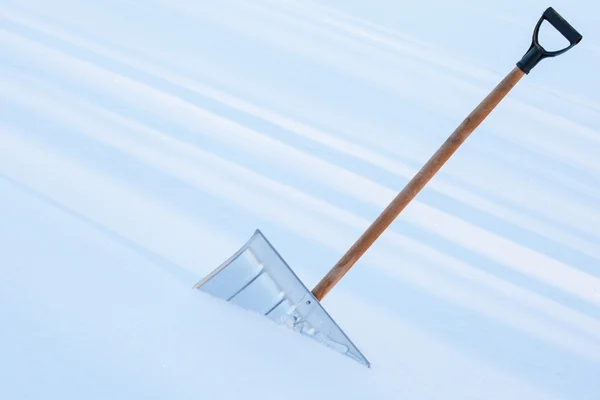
pixel 257 278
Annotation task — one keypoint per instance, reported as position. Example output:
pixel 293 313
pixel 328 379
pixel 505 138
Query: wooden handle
pixel 417 183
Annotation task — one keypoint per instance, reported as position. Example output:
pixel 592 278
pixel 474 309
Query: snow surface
pixel 142 142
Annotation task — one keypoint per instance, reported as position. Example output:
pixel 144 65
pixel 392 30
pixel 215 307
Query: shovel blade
pixel 257 278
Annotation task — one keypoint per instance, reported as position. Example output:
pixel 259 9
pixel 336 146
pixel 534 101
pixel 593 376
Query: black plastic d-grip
pixel 536 52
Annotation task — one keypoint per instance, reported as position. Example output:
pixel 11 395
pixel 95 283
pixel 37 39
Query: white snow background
pixel 142 142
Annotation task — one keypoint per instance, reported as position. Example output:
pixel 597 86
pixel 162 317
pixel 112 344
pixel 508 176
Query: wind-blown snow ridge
pixel 134 159
pixel 335 143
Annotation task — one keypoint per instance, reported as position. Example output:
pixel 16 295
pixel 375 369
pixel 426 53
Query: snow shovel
pixel 257 278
